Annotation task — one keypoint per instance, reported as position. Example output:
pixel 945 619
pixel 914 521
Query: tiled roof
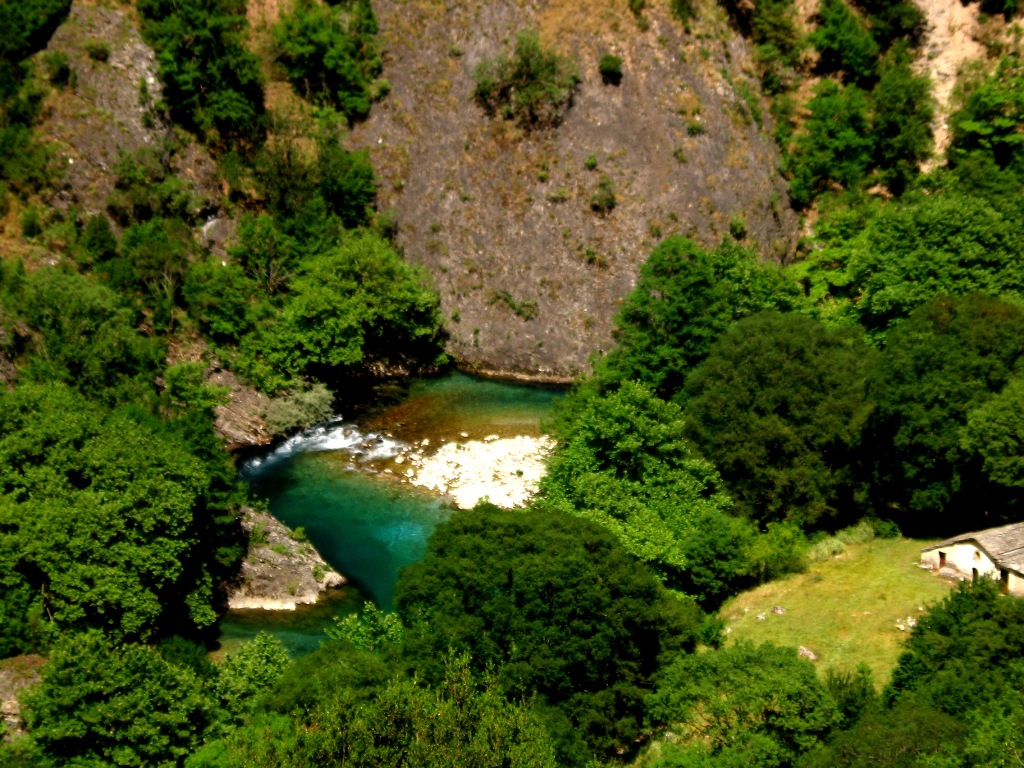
pixel 1005 544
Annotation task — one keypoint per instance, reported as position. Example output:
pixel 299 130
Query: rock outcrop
pixel 528 273
pixel 279 571
pixel 109 108
pixel 240 421
pixel 16 674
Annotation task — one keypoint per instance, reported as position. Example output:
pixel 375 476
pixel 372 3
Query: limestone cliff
pixel 503 219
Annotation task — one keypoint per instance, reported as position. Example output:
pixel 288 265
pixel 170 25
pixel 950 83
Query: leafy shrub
pixel 97 50
pixel 610 68
pixel 487 587
pixel 299 409
pixel 902 120
pixel 989 123
pixel 603 199
pixel 58 70
pixel 330 54
pixel 861 533
pixel 682 9
pixel 825 549
pixel 534 87
pixel 778 407
pixel 31 222
pixel 835 146
pixel 355 305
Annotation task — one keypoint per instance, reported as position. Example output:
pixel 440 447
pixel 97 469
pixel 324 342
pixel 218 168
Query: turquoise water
pixel 331 481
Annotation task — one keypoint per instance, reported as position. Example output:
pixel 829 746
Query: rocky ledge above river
pixel 281 570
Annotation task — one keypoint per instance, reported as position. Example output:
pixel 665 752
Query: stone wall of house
pixel 964 557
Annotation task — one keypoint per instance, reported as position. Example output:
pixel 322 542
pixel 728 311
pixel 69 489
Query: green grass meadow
pixel 845 609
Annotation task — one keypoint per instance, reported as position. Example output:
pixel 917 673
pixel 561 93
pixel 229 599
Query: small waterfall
pixel 334 435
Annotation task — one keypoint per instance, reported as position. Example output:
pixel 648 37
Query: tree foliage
pixel 627 466
pixel 778 407
pixel 684 300
pixel 744 705
pixel 101 703
pixel 212 83
pixel 464 721
pixel 359 304
pixel 330 54
pixel 947 360
pixel 835 146
pixel 104 518
pixel 554 606
pixel 844 43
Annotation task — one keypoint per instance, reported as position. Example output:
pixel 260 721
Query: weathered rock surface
pixel 278 572
pixel 109 109
pixel 240 421
pixel 16 674
pixel 503 220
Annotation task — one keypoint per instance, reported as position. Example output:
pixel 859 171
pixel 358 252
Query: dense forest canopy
pixel 747 412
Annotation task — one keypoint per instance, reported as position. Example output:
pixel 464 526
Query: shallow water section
pixel 332 482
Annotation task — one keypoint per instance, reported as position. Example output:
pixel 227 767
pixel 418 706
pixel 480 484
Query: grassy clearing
pixel 844 609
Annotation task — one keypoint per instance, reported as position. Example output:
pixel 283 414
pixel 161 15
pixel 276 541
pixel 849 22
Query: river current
pixel 332 481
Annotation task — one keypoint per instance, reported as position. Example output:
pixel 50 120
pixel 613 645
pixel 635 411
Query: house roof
pixel 1005 544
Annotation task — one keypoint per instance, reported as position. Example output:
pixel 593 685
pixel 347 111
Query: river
pixel 333 482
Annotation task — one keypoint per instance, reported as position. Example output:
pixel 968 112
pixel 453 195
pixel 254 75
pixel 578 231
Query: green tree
pixel 464 721
pixel 950 358
pixel 744 705
pixel 330 54
pixel 626 465
pixel 778 407
pixel 844 43
pixel 684 300
pixel 357 305
pixel 988 125
pixel 212 82
pixel 106 519
pixel 994 431
pixel 87 338
pixel 933 245
pixel 247 675
pixel 555 606
pixel 901 126
pixel 835 146
pixel 100 703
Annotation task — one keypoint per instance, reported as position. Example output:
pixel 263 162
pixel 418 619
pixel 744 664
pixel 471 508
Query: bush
pixel 97 50
pixel 300 409
pixel 603 199
pixel 610 68
pixel 212 82
pixel 331 55
pixel 58 70
pixel 825 549
pixel 534 87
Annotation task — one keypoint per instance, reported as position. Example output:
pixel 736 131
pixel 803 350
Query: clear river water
pixel 331 481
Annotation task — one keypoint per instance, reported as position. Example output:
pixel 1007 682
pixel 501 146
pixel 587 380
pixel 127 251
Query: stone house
pixel 995 553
